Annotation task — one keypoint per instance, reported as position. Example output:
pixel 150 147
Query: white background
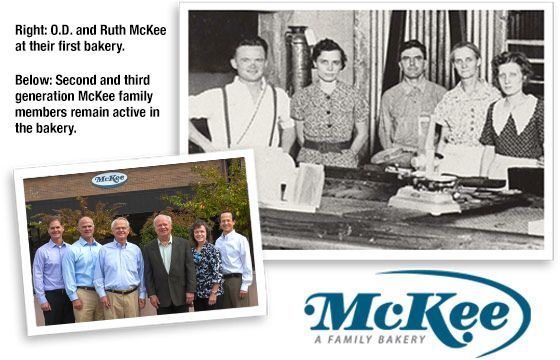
pixel 284 331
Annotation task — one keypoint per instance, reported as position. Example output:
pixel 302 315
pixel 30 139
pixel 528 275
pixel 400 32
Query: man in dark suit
pixel 169 271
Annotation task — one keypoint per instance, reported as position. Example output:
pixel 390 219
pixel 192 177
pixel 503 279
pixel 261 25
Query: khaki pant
pixel 231 294
pixel 122 306
pixel 92 309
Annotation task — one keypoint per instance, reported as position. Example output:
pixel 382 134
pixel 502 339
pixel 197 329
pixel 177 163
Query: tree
pixel 216 194
pixel 182 222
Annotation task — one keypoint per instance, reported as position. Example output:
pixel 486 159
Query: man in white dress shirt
pixel 249 112
pixel 236 263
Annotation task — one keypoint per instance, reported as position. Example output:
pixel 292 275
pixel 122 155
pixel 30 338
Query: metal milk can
pixel 299 59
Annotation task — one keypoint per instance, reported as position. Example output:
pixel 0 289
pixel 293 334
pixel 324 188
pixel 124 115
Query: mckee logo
pixel 456 318
pixel 109 180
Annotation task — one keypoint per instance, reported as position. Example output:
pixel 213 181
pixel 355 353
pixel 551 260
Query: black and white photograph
pixel 378 129
pixel 140 242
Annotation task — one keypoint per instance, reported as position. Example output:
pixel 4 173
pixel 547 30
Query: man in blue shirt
pixel 47 277
pixel 78 267
pixel 119 275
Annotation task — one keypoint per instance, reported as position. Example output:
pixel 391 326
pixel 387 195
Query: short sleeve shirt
pixel 464 114
pixel 329 117
pixel 401 106
pixel 250 123
pixel 527 143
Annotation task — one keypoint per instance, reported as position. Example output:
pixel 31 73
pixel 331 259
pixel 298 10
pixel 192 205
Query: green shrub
pixel 101 215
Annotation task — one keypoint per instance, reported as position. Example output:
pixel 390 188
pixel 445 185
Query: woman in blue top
pixel 209 281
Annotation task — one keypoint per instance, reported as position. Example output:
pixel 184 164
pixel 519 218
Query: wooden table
pixel 354 215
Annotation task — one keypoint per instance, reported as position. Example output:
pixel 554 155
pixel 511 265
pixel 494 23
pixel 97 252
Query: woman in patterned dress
pixel 513 135
pixel 209 281
pixel 331 116
pixel 462 113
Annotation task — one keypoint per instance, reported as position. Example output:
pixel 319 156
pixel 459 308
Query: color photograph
pixel 140 242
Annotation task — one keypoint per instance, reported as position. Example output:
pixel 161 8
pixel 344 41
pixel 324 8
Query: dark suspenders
pixel 275 112
pixel 226 115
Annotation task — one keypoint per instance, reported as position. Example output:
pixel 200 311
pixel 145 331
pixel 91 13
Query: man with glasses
pixel 119 275
pixel 404 103
pixel 169 270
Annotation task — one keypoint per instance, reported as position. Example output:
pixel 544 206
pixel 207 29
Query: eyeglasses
pixel 409 59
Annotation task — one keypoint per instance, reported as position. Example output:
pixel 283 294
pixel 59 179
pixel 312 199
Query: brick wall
pixel 139 179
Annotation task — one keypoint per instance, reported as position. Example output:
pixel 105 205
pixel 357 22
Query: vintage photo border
pixel 61 170
pixel 380 254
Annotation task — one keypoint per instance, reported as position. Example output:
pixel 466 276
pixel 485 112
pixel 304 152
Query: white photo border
pixel 60 170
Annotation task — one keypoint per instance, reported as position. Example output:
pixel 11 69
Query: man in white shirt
pixel 236 263
pixel 249 112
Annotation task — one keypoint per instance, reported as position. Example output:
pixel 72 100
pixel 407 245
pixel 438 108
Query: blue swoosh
pixel 523 304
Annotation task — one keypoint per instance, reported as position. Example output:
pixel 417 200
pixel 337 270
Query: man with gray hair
pixel 119 275
pixel 169 270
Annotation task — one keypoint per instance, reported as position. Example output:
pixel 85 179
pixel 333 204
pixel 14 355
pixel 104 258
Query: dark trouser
pixel 232 286
pixel 201 304
pixel 61 308
pixel 172 309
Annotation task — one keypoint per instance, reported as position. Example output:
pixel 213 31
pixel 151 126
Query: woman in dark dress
pixel 513 135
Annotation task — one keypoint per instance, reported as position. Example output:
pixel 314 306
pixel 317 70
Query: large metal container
pixel 299 59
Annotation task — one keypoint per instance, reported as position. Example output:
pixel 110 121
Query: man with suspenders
pixel 247 113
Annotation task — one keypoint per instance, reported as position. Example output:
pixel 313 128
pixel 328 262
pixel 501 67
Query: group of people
pixel 485 128
pixel 87 281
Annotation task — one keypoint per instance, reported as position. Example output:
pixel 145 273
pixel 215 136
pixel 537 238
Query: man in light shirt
pixel 119 275
pixel 48 282
pixel 169 270
pixel 78 267
pixel 236 263
pixel 404 103
pixel 249 112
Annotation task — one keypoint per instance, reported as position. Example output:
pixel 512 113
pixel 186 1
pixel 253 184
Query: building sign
pixel 109 180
